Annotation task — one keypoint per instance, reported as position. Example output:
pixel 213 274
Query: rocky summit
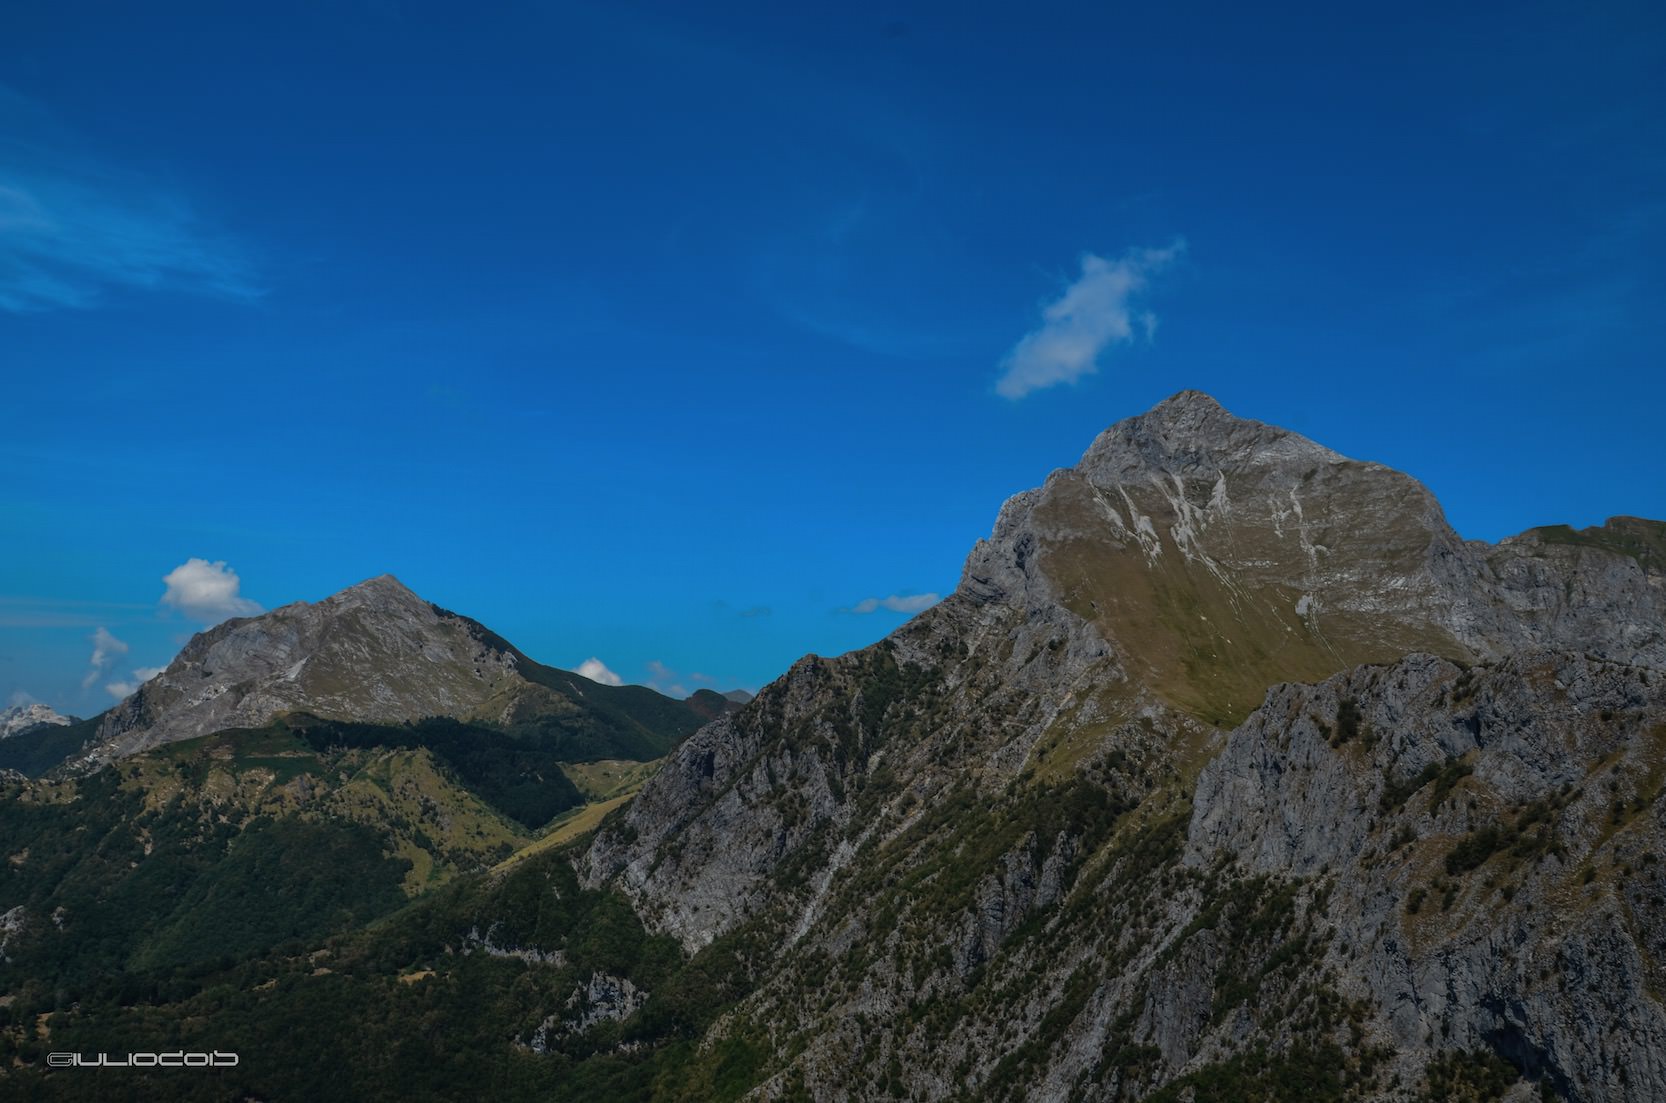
pixel 21 719
pixel 376 653
pixel 1227 763
pixel 1229 771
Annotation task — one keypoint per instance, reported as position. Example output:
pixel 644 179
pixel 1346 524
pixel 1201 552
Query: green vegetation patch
pixel 1302 1074
pixel 1634 537
pixel 1471 1076
pixel 520 775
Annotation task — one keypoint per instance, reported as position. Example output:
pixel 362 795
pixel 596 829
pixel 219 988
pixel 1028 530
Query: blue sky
pixel 680 335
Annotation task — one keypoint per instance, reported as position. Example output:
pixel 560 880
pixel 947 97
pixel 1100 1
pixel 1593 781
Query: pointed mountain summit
pixel 377 653
pixel 21 719
pixel 1221 555
pixel 1213 717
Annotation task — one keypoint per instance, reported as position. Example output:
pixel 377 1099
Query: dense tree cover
pixel 108 888
pixel 414 1007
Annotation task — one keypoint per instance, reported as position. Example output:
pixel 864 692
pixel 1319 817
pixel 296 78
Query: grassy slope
pixel 1210 645
pixel 1644 541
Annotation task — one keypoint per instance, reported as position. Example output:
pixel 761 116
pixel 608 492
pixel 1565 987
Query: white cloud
pixel 597 671
pixel 896 603
pixel 22 699
pixel 206 592
pixel 121 689
pixel 1093 314
pixel 105 649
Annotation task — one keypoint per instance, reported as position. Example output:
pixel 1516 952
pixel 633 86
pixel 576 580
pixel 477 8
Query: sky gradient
pixel 692 343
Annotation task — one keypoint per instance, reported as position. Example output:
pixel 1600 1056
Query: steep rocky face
pixel 24 718
pixel 378 653
pixel 1600 589
pixel 1488 843
pixel 1228 762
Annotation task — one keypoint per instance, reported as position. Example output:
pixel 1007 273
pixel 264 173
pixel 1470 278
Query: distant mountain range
pixel 1229 771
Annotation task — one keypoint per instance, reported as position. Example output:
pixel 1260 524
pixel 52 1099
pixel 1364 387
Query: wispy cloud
pixel 1094 313
pixel 73 228
pixel 206 592
pixel 896 603
pixel 37 612
pixel 663 679
pixel 597 671
pixel 106 649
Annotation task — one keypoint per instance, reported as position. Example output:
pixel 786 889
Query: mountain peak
pixel 1187 400
pixel 375 651
pixel 381 584
pixel 1197 540
pixel 381 581
pixel 21 718
pixel 1191 434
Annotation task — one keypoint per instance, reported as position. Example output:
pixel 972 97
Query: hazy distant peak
pixel 22 718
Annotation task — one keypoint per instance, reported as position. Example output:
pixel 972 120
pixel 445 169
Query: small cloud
pixel 106 648
pixel 207 592
pixel 1091 315
pixel 699 677
pixel 21 699
pixel 597 671
pixel 123 689
pixel 896 603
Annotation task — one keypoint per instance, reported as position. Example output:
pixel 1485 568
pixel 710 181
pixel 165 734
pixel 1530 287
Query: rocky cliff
pixel 1229 766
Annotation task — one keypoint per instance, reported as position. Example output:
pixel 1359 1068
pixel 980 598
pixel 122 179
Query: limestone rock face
pixel 373 652
pixel 1554 761
pixel 1227 759
pixel 23 718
